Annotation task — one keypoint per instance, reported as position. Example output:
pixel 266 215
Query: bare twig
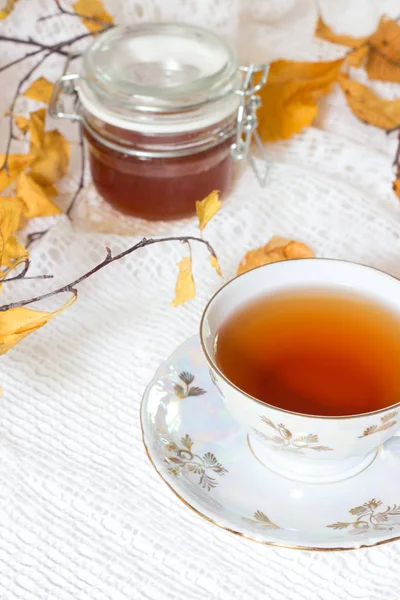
pixel 70 287
pixel 22 275
pixel 82 174
pixel 47 51
pixel 396 161
pixel 389 131
pixel 70 13
pixel 28 42
pixel 11 110
pixel 35 237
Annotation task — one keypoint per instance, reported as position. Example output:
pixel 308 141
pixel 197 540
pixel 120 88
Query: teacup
pixel 299 446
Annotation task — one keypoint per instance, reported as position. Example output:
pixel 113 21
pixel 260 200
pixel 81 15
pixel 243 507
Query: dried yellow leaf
pixel 207 208
pixel 277 249
pixel 184 288
pixel 297 250
pixel 381 49
pixel 367 106
pixel 8 8
pixel 41 90
pixel 35 202
pixel 36 129
pixel 356 57
pixel 10 215
pixel 215 264
pixel 94 9
pixel 378 67
pixel 50 190
pixel 324 32
pixel 52 159
pixel 16 163
pixel 386 40
pixel 290 95
pixel 17 323
pixel 276 242
pixel 22 123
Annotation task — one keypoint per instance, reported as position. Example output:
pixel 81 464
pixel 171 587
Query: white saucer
pixel 206 459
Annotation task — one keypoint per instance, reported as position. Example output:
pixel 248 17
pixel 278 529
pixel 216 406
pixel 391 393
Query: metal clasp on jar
pixel 65 86
pixel 247 122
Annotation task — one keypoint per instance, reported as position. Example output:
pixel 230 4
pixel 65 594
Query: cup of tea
pixel 306 356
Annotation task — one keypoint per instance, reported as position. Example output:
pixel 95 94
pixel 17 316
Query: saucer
pixel 213 466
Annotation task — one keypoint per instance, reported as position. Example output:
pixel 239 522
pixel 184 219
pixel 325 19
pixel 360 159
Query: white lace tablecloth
pixel 83 515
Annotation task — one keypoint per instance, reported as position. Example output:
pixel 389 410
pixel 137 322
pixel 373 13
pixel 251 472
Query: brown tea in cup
pixel 316 352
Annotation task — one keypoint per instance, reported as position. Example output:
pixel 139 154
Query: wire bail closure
pixel 247 122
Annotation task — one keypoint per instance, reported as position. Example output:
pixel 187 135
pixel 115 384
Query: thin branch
pixel 389 131
pixel 82 175
pixel 51 49
pixel 22 275
pixel 11 111
pixel 55 48
pixel 34 237
pixel 70 287
pixel 28 42
pixel 70 13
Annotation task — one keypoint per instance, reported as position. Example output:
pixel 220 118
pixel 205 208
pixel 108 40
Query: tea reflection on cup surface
pixel 309 447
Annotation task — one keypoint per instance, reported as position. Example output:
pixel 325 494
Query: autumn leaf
pixel 383 61
pixel 386 40
pixel 184 288
pixel 50 190
pixel 17 323
pixel 277 249
pixel 36 129
pixel 289 98
pixel 381 49
pixel 8 8
pixel 367 106
pixel 16 163
pixel 324 32
pixel 52 160
pixel 94 9
pixel 40 90
pixel 215 264
pixel 22 123
pixel 207 208
pixel 357 57
pixel 10 215
pixel 35 202
pixel 377 67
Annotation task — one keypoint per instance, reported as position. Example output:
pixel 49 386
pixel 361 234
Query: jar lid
pixel 160 77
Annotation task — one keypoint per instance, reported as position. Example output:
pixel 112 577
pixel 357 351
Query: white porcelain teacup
pixel 299 446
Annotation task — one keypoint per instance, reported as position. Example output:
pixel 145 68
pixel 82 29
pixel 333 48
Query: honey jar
pixel 166 110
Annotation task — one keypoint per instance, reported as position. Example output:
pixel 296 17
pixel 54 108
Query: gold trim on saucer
pixel 242 535
pixel 238 533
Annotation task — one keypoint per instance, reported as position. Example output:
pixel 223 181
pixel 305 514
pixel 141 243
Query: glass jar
pixel 165 109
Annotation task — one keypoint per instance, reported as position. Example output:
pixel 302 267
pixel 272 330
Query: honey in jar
pixel 159 107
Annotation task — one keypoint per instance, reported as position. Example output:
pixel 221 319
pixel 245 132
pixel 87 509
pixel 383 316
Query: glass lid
pixel 159 67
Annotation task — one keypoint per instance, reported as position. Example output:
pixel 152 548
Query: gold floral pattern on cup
pixel 287 441
pixel 387 421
